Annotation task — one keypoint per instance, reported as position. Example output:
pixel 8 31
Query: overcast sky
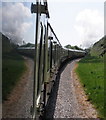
pixel 76 23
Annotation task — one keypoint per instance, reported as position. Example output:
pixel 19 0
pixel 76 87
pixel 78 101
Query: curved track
pixel 66 103
pixel 63 102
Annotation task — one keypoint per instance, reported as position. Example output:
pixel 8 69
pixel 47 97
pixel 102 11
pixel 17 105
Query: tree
pixel 72 47
pixel 68 46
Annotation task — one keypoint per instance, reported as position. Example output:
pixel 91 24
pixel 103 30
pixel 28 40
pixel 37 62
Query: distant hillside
pixel 12 66
pixel 73 47
pixel 99 48
pixel 7 45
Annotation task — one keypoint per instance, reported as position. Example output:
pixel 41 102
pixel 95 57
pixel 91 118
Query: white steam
pixel 15 20
pixel 90 26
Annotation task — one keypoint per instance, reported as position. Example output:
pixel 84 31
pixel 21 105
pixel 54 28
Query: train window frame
pixel 55 49
pixel 49 50
pixel 40 68
pixel 51 55
pixel 48 59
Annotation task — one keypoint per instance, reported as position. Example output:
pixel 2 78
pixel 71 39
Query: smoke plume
pixel 15 22
pixel 90 26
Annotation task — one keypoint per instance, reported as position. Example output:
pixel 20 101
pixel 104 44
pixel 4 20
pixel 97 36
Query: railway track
pixel 63 102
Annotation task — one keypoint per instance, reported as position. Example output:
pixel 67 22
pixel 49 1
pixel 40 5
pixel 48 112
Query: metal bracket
pixel 50 38
pixel 35 9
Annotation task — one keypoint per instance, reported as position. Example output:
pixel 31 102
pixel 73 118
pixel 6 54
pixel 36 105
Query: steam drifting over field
pixel 90 26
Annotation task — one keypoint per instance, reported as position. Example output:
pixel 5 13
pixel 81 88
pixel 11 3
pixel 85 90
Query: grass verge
pixel 12 68
pixel 90 71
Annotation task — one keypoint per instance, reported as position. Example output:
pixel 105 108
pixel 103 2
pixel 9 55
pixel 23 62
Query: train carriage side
pixel 41 57
pixel 53 61
pixel 47 59
pixel 76 53
pixel 27 51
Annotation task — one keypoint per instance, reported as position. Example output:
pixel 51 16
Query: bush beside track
pixel 90 71
pixel 12 68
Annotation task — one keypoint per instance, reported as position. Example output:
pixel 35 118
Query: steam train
pixel 48 55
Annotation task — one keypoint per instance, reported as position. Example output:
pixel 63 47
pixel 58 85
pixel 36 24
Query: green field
pixel 91 73
pixel 12 68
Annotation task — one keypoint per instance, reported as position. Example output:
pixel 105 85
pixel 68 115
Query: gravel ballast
pixel 66 104
pixel 63 102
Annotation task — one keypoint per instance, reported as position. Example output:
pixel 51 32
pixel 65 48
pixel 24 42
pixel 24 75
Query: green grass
pixel 12 68
pixel 90 72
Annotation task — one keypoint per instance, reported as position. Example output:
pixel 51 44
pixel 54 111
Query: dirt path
pixel 86 108
pixel 19 102
pixel 64 101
